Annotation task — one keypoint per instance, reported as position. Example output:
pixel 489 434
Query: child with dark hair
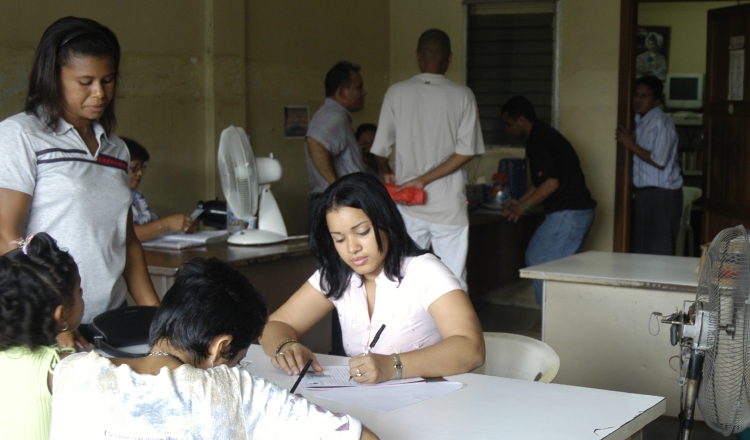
pixel 40 297
pixel 146 223
pixel 191 385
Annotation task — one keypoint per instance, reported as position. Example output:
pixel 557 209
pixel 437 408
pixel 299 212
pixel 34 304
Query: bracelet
pixel 283 343
pixel 397 365
pixel 526 205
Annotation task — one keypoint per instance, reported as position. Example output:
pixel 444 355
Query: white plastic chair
pixel 519 357
pixel 689 195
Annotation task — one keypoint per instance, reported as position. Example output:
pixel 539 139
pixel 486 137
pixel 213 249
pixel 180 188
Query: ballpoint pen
pixel 374 340
pixel 301 375
pixel 372 344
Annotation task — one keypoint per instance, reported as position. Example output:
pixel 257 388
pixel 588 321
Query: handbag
pixel 122 327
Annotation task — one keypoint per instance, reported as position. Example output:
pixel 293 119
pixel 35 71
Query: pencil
pixel 301 375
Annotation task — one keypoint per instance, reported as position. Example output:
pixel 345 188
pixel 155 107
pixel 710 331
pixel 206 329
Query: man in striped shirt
pixel 656 175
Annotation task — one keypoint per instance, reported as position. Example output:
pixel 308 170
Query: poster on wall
pixel 652 47
pixel 295 121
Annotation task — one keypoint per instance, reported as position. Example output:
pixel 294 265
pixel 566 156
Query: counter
pixel 277 271
pixel 597 317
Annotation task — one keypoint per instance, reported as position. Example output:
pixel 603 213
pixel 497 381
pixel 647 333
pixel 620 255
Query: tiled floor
pixel 511 310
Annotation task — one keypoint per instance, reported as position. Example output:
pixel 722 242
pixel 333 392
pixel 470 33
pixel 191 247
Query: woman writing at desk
pixel 373 273
pixel 65 173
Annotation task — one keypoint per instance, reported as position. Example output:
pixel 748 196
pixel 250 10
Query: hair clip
pixel 23 243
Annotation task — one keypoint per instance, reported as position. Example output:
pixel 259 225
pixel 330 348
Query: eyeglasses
pixel 136 168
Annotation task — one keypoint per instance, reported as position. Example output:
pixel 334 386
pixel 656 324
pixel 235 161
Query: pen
pixel 372 344
pixel 301 375
pixel 374 340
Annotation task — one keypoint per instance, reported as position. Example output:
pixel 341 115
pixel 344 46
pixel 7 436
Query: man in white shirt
pixel 434 124
pixel 657 207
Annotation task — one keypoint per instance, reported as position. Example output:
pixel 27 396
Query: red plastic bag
pixel 407 196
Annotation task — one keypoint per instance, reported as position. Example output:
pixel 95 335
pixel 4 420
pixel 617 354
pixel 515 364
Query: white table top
pixel 656 272
pixel 492 407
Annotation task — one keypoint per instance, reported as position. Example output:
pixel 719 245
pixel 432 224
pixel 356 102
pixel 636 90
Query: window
pixel 510 51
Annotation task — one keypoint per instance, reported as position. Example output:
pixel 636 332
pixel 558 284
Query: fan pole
pixel 694 373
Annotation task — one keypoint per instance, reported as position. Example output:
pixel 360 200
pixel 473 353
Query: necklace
pixel 164 353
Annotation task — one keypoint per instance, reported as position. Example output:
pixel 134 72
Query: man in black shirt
pixel 557 184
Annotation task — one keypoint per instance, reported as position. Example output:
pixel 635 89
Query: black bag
pixel 122 327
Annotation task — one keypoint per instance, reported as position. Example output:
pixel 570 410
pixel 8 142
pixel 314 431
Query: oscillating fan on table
pixel 713 335
pixel 245 181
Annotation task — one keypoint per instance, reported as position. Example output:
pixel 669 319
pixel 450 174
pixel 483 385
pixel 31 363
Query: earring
pixel 66 327
pixel 212 363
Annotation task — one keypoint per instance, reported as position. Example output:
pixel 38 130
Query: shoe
pixel 536 327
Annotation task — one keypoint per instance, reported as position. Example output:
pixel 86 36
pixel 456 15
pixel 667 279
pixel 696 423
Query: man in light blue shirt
pixel 331 147
pixel 656 175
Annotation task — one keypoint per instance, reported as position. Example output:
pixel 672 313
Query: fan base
pixel 252 237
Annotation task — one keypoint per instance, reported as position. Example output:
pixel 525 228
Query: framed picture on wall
pixel 652 49
pixel 295 121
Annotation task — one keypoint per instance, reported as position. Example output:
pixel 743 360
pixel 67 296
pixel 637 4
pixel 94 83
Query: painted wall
pixel 187 76
pixel 409 18
pixel 589 61
pixel 687 51
pixel 290 47
pixel 165 95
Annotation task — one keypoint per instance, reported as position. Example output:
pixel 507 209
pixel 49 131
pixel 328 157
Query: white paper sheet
pixel 180 240
pixel 389 398
pixel 338 376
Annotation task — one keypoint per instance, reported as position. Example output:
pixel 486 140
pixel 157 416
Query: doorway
pixel 686 55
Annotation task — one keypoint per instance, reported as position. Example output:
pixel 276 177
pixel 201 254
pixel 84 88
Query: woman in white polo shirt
pixel 64 172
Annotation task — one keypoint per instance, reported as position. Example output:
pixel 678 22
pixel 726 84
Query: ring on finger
pixel 282 353
pixel 359 373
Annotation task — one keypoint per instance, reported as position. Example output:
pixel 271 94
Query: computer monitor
pixel 684 91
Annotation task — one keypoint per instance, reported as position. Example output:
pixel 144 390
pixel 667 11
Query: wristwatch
pixel 397 365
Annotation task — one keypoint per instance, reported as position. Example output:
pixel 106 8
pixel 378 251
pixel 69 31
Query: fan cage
pixel 238 172
pixel 723 292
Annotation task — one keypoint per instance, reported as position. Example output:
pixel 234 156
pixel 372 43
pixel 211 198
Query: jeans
pixel 561 235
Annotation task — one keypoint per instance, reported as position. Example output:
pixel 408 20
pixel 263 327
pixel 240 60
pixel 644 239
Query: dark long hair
pixel 66 38
pixel 32 284
pixel 365 192
pixel 209 298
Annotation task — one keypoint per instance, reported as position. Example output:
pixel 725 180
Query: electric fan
pixel 245 181
pixel 713 335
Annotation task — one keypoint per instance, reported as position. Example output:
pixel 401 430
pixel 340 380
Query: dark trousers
pixel 656 220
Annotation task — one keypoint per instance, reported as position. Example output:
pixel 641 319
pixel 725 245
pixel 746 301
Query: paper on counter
pixel 338 376
pixel 388 398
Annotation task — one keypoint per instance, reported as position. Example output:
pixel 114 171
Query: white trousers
pixel 450 243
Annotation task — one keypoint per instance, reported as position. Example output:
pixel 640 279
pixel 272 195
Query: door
pixel 727 158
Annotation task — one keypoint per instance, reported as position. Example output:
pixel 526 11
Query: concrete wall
pixel 180 76
pixel 290 47
pixel 190 68
pixel 589 62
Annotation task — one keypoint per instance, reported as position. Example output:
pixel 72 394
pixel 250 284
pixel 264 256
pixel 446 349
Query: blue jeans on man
pixel 560 235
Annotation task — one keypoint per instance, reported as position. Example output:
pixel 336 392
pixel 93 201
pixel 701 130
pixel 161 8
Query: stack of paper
pixel 181 240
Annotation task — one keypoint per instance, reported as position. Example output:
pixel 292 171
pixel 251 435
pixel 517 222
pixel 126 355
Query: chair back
pixel 689 195
pixel 519 357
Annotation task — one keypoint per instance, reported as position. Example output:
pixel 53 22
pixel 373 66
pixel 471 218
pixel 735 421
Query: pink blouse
pixel 401 307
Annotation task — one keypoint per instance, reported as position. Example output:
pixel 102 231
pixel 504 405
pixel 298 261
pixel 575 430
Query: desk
pixel 596 312
pixel 277 271
pixel 492 407
pixel 497 248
